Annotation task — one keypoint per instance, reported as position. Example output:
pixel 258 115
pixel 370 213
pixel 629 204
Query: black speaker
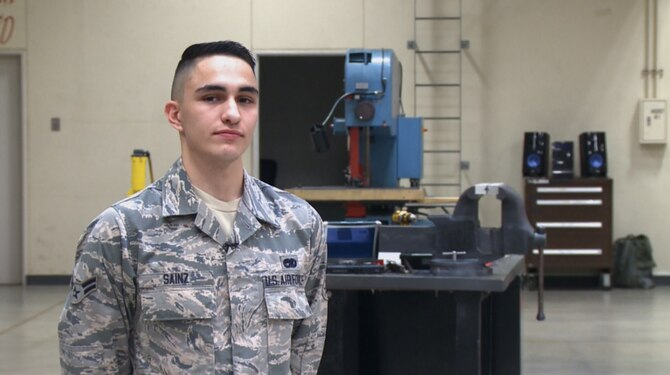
pixel 562 160
pixel 593 154
pixel 535 154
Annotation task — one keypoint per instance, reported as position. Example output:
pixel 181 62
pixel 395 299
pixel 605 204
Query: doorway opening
pixel 297 91
pixel 11 170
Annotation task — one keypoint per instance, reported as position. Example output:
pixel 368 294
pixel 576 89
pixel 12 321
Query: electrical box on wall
pixel 653 121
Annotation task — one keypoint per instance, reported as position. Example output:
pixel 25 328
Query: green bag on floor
pixel 633 262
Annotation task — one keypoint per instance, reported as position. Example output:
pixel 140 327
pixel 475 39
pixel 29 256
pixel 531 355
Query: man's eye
pixel 246 100
pixel 210 98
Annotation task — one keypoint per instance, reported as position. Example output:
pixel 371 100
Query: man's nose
pixel 231 113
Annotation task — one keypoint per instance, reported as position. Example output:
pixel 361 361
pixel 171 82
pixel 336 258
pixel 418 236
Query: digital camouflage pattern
pixel 157 289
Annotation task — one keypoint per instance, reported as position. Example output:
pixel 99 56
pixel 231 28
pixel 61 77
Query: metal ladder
pixel 438 49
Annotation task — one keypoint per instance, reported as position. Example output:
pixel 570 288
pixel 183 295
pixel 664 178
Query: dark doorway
pixel 297 91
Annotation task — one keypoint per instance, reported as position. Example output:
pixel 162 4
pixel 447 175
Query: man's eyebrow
pixel 206 88
pixel 250 89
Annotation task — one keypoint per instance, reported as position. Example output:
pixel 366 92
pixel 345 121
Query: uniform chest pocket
pixel 191 297
pixel 176 329
pixel 287 304
pixel 285 307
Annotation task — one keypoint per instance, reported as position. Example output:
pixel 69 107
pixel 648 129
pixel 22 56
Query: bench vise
pixel 461 233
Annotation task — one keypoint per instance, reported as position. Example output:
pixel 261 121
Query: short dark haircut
pixel 196 51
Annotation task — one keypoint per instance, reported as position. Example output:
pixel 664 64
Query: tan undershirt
pixel 224 211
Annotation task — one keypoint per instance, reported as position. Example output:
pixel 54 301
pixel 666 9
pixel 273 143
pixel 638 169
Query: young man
pixel 208 270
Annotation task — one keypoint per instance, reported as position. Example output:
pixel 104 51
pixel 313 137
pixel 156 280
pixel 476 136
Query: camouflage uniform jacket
pixel 157 289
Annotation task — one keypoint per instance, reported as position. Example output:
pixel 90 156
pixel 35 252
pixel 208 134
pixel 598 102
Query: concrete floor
pixel 598 332
pixel 28 335
pixel 586 331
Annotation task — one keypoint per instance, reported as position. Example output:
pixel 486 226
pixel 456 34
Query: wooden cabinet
pixel 577 216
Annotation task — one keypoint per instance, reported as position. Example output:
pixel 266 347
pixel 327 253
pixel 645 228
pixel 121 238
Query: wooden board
pixel 359 194
pixel 440 200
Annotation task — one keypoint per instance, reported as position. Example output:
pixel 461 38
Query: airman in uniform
pixel 208 270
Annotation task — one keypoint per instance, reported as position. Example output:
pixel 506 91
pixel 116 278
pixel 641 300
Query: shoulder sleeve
pixel 309 337
pixel 93 329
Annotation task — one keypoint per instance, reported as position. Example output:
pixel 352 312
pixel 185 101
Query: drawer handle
pixel 570 251
pixel 574 190
pixel 574 224
pixel 569 202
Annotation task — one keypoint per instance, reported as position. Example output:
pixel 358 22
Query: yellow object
pixel 403 217
pixel 139 161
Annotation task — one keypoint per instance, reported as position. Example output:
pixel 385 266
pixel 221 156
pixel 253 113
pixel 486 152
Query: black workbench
pixel 423 324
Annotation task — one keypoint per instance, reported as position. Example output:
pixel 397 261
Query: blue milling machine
pixel 384 145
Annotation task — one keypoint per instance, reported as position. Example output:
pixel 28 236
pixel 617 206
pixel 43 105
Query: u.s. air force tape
pixel 83 289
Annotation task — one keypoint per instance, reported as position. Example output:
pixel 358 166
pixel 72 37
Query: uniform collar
pixel 178 195
pixel 180 199
pixel 257 203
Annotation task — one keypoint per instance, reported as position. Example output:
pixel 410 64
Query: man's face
pixel 217 114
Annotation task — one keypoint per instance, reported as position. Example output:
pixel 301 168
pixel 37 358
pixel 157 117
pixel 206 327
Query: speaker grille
pixel 535 154
pixel 593 154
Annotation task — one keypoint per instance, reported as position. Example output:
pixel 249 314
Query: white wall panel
pixel 440 101
pixel 441 135
pixel 440 167
pixel 438 68
pixel 307 24
pixel 438 8
pixel 438 35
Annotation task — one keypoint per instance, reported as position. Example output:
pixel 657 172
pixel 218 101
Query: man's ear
pixel 173 115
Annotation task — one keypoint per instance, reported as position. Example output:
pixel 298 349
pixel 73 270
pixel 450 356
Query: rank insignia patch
pixel 83 289
pixel 289 262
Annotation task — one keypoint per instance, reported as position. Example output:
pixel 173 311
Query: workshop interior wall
pixel 566 67
pixel 104 68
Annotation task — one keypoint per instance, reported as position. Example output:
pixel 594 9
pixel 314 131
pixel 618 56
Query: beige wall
pixel 104 68
pixel 566 67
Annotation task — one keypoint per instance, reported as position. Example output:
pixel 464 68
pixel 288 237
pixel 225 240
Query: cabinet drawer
pixel 566 262
pixel 563 215
pixel 578 239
